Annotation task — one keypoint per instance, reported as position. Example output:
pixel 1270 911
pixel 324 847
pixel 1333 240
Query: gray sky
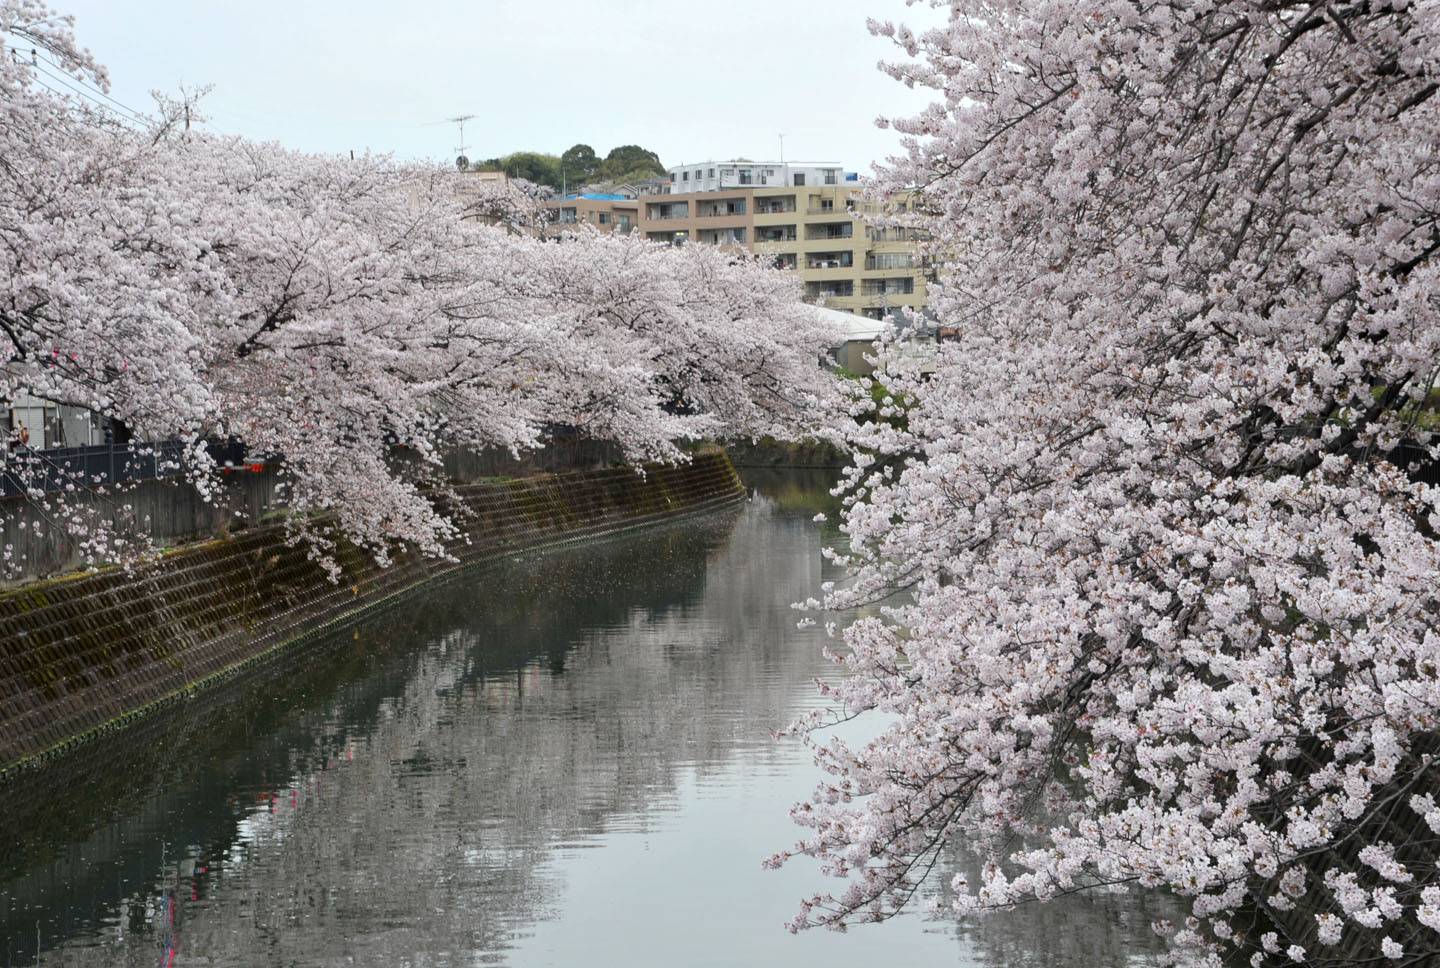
pixel 690 81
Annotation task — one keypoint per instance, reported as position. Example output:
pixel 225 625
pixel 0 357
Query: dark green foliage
pixel 578 166
pixel 542 169
pixel 629 161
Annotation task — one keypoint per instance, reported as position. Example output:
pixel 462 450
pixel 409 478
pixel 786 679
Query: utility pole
pixel 782 147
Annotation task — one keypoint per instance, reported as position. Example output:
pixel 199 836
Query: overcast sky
pixel 691 81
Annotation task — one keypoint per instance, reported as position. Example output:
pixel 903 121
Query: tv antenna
pixel 460 120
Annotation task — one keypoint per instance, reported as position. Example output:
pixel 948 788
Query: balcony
pixel 785 260
pixel 830 230
pixel 721 236
pixel 775 233
pixel 665 211
pixel 829 290
pixel 721 209
pixel 779 205
pixel 889 287
pixel 895 233
pixel 830 260
pixel 890 260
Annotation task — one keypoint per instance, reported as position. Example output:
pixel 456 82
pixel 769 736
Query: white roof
pixel 854 327
pixel 757 164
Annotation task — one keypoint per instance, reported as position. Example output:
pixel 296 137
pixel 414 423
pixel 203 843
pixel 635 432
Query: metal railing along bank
pixel 101 465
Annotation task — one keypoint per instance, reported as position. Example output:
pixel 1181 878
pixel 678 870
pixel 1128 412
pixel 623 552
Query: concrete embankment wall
pixel 170 511
pixel 85 655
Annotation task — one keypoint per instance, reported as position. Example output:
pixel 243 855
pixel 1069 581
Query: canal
pixel 565 760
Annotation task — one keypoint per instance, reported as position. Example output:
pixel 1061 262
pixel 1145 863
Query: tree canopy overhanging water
pixel 542 764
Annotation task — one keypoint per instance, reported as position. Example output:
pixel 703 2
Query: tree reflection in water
pixel 530 766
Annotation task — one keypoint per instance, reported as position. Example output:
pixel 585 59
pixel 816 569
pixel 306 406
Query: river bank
pixel 88 654
pixel 564 760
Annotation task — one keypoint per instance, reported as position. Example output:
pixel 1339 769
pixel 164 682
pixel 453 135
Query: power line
pixel 85 89
pixel 138 114
pixel 66 96
pixel 91 92
pixel 131 117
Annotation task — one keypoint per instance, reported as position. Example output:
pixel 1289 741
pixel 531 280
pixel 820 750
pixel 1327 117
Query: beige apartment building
pixel 606 213
pixel 844 262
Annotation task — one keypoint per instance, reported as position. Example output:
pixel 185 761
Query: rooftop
pixel 763 164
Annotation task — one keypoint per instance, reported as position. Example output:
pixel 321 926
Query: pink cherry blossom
pixel 353 317
pixel 1150 586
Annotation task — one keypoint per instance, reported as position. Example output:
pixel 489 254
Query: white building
pixel 715 176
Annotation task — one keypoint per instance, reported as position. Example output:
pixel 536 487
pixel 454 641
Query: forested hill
pixel 577 166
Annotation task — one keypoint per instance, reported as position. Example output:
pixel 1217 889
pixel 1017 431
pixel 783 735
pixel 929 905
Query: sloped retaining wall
pixel 86 655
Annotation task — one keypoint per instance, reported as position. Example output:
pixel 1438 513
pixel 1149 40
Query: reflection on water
pixel 562 761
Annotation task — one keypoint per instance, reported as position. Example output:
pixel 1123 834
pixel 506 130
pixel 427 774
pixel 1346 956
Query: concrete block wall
pixel 84 655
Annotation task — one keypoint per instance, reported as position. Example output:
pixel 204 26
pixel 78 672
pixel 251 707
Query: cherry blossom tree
pixel 332 311
pixel 1165 568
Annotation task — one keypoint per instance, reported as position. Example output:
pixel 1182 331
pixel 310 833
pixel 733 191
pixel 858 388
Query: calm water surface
pixel 562 761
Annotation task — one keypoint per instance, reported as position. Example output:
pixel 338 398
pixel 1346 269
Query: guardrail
pixel 100 465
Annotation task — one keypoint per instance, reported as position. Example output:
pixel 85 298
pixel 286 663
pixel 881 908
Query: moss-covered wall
pixel 82 655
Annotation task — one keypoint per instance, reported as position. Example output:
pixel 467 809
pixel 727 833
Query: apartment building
pixel 804 216
pixel 713 176
pixel 712 218
pixel 606 212
pixel 844 262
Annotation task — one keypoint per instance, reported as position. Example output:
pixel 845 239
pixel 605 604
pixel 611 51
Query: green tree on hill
pixel 577 166
pixel 631 161
pixel 535 166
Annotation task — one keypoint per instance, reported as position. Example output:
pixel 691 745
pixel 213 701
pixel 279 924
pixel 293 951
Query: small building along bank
pixel 801 214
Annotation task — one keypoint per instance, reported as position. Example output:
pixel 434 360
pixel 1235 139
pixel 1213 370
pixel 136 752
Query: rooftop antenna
pixel 460 120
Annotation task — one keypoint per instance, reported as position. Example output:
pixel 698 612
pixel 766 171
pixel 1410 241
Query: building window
pixel 799 180
pixel 829 176
pixel 684 176
pixel 890 260
pixel 711 174
pixel 604 218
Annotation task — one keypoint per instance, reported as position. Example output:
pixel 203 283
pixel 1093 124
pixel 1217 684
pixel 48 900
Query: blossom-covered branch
pixel 328 310
pixel 1172 611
